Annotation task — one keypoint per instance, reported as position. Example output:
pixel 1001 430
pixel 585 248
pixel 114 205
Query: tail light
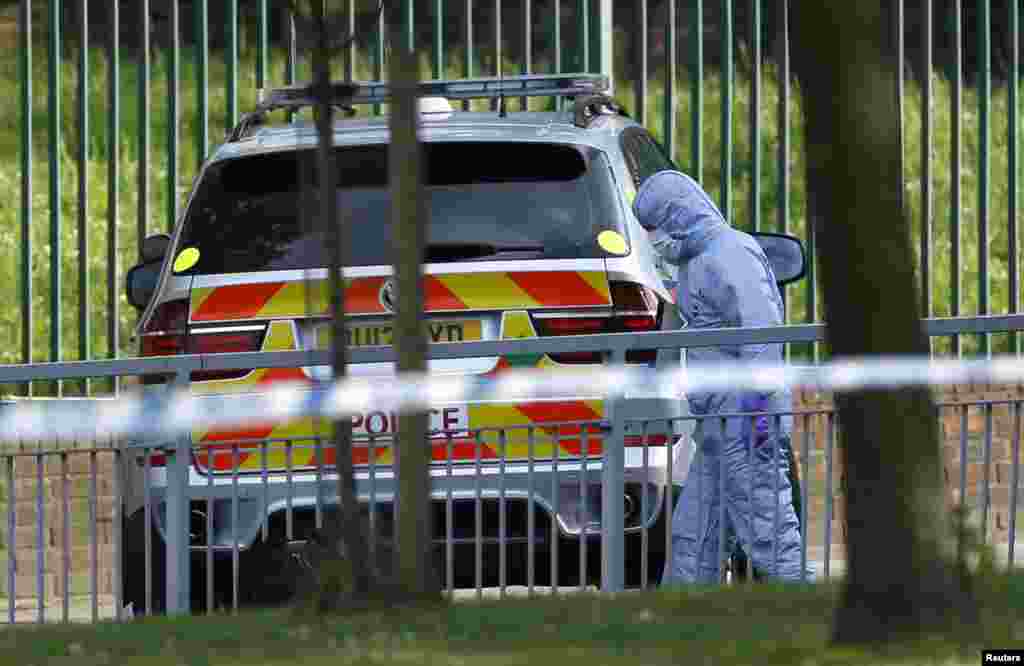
pixel 166 334
pixel 649 440
pixel 155 460
pixel 573 326
pixel 222 342
pixel 635 308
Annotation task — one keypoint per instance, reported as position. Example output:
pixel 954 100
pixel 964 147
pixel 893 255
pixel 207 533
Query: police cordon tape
pixel 165 414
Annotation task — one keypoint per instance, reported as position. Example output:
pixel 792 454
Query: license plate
pixel 367 335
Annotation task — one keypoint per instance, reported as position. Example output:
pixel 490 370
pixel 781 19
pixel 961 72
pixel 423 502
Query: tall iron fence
pixel 118 103
pixel 204 523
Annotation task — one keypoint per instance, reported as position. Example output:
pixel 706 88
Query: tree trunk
pixel 902 578
pixel 408 223
pixel 347 534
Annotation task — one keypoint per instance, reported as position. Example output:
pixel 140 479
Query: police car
pixel 531 234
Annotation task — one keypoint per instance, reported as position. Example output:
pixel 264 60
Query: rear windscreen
pixel 486 202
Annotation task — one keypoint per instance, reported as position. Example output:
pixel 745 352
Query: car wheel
pixel 133 565
pixel 272 574
pixel 133 570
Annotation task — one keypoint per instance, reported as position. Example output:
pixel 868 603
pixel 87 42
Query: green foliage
pixel 755 624
pixel 975 558
pixel 99 271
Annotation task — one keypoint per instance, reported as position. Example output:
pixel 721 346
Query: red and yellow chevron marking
pixel 451 292
pixel 301 454
pixel 550 432
pixel 280 337
pixel 296 450
pixel 549 417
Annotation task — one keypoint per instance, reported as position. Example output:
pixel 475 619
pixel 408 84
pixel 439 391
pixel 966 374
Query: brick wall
pixel 952 417
pixel 76 479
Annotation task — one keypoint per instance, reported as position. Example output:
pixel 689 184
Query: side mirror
pixel 155 247
pixel 785 255
pixel 141 283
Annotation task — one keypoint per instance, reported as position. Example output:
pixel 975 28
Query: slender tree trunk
pixel 901 578
pixel 349 530
pixel 408 223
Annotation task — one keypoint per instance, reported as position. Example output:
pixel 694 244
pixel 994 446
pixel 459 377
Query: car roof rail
pixel 345 95
pixel 587 109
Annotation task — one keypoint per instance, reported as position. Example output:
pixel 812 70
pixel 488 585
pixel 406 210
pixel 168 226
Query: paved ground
pixel 80 609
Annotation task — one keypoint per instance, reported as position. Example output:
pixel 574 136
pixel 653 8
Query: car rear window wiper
pixel 442 252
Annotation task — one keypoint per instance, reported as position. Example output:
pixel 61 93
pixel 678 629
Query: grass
pixel 162 192
pixel 761 624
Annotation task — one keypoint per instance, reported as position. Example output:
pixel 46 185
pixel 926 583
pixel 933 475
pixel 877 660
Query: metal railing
pixel 167 83
pixel 513 497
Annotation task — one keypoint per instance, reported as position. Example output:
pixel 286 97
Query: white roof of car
pixel 436 126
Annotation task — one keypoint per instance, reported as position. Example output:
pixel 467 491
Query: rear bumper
pixel 569 492
pixel 564 489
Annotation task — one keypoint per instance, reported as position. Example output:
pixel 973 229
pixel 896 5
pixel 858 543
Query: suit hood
pixel 680 213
